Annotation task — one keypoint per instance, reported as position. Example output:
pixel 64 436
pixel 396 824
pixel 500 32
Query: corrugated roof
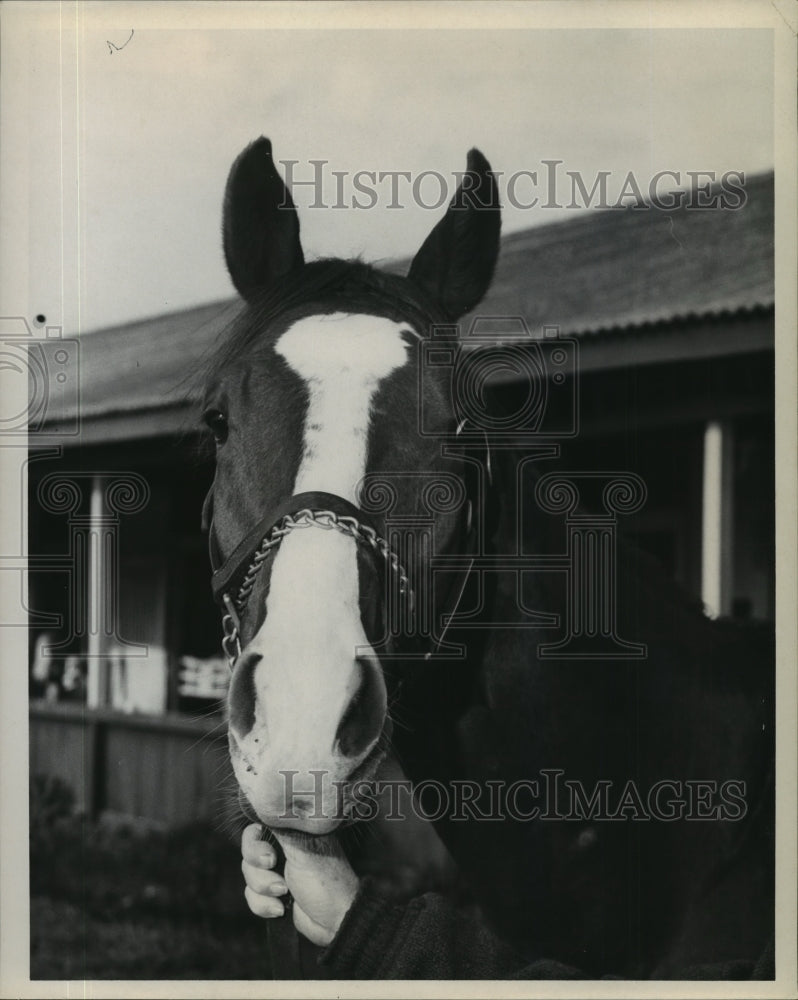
pixel 600 271
pixel 149 364
pixel 626 268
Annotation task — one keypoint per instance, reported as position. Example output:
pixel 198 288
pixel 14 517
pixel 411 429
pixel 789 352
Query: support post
pixel 717 519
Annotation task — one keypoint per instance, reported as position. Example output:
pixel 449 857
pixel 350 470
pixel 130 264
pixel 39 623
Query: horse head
pixel 314 392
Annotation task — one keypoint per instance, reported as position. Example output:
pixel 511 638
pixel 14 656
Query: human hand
pixel 321 882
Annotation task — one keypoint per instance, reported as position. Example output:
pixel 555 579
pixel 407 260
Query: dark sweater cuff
pixel 368 933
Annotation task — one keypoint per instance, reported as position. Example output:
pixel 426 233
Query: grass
pixel 69 943
pixel 125 903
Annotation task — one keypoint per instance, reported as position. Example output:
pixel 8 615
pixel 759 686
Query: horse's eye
pixel 216 422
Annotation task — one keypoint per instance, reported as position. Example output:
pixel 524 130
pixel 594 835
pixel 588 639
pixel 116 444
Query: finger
pixel 263 906
pixel 256 851
pixel 308 927
pixel 263 880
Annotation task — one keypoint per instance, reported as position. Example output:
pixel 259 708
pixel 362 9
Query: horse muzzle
pixel 299 755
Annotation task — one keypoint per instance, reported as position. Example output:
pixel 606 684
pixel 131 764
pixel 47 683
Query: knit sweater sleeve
pixel 429 938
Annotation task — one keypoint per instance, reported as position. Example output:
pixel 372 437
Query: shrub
pixel 191 872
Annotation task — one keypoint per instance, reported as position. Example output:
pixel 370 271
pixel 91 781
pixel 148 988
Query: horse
pixel 619 814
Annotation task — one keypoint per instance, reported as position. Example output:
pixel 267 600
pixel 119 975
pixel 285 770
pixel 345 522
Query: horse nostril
pixel 363 719
pixel 304 804
pixel 242 693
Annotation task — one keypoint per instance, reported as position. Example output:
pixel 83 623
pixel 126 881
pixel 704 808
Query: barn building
pixel 673 316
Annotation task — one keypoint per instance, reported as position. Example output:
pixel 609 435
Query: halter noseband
pixel 324 510
pixel 303 510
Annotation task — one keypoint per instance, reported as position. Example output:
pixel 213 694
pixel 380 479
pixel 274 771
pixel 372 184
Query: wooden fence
pixel 166 770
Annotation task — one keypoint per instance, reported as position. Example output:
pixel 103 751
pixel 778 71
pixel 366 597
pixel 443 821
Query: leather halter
pixel 233 569
pixel 233 578
pixel 233 581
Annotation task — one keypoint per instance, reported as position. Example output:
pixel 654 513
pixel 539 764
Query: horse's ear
pixel 260 225
pixel 455 264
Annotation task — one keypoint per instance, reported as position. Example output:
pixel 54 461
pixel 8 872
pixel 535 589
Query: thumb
pixel 319 877
pixel 314 858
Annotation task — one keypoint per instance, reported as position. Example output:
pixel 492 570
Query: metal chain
pixel 326 519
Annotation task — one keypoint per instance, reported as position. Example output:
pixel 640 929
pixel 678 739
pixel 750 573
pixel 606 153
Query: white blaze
pixel 342 360
pixel 312 628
